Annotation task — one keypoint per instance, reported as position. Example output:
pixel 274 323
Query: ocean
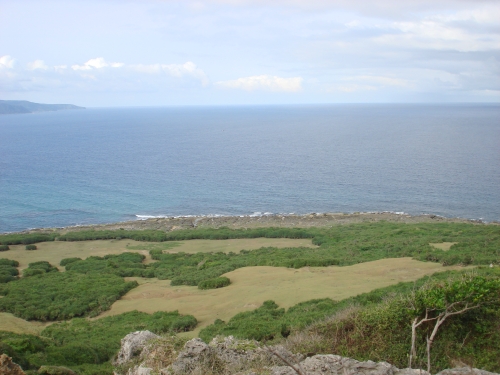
pixel 114 164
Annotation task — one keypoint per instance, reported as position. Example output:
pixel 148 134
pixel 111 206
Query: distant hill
pixel 23 106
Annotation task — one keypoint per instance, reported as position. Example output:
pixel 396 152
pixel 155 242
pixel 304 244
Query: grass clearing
pixel 445 246
pixel 251 286
pixel 10 323
pixel 53 252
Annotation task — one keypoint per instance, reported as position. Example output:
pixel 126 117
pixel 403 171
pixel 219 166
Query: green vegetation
pixel 39 268
pixel 66 261
pixel 86 346
pixel 218 282
pixel 56 296
pixel 125 265
pixel 8 270
pixel 4 247
pixel 270 322
pixel 26 238
pixel 31 247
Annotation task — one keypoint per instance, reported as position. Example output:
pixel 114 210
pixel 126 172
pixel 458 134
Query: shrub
pixel 31 247
pixel 8 262
pixel 4 247
pixel 8 270
pixel 218 282
pixel 67 261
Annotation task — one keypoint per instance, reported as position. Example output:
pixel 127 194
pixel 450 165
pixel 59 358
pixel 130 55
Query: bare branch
pixel 297 368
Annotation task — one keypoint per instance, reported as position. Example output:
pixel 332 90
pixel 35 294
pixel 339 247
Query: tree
pixel 436 302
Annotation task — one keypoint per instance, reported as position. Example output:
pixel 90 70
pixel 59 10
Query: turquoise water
pixel 113 164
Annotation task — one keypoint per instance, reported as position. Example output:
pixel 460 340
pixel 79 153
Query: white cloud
pixel 97 63
pixel 6 62
pixel 264 82
pixel 37 64
pixel 175 70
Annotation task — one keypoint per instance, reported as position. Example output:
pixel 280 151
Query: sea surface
pixel 113 164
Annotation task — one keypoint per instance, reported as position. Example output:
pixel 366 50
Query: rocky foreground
pixel 144 353
pixel 275 220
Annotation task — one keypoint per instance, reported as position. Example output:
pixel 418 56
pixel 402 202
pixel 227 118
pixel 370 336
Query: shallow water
pixel 105 165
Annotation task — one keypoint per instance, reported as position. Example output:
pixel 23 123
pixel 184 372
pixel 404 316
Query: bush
pixel 8 262
pixel 31 247
pixel 8 270
pixel 218 282
pixel 4 247
pixel 67 261
pixel 38 268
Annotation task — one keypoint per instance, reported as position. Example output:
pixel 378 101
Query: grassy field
pixel 250 286
pixel 53 252
pixel 10 323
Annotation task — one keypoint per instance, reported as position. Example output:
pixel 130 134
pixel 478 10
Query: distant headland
pixel 22 106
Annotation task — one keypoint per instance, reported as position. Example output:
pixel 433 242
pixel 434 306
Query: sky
pixel 239 52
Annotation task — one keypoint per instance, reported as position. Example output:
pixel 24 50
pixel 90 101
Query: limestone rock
pixel 189 358
pixel 140 370
pixel 7 367
pixel 465 371
pixel 132 345
pixel 231 356
pixel 336 365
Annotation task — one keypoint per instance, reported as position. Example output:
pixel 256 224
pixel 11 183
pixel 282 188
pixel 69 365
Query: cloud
pixel 6 62
pixel 175 70
pixel 97 63
pixel 264 82
pixel 37 64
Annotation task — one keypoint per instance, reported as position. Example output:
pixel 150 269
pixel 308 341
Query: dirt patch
pixel 445 246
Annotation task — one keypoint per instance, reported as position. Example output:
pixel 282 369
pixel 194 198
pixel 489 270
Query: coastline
pixel 168 224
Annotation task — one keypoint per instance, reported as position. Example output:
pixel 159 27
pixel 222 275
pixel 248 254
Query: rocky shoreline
pixel 286 221
pixel 168 224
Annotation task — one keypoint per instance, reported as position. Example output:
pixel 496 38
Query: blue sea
pixel 113 164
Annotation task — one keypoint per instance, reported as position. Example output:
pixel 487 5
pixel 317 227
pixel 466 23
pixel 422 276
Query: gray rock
pixel 189 358
pixel 139 370
pixel 465 371
pixel 336 365
pixel 132 345
pixel 238 357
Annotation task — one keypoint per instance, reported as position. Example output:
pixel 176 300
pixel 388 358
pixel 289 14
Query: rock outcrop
pixel 132 346
pixel 7 367
pixel 230 356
